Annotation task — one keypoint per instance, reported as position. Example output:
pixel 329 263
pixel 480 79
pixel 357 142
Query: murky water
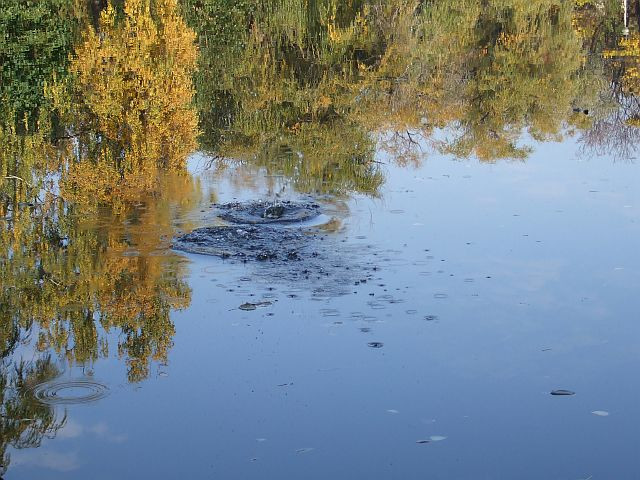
pixel 375 240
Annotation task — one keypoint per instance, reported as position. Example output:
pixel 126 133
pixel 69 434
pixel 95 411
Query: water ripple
pixel 69 392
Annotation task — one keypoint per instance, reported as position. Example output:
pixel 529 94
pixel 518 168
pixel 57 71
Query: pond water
pixel 488 286
pixel 344 259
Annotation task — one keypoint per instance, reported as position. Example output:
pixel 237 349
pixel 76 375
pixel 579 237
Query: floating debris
pixel 247 242
pixel 304 450
pixel 423 441
pixel 248 306
pixel 375 344
pixel 562 392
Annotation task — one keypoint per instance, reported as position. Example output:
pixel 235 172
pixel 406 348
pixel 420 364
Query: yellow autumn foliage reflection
pixel 627 57
pixel 89 283
pixel 131 100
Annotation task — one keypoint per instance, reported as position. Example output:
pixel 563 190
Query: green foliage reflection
pixel 271 73
pixel 24 421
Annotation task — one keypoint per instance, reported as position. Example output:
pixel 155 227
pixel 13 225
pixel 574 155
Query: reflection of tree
pixel 277 71
pixel 615 134
pixel 127 116
pixel 125 96
pixel 598 23
pixel 319 158
pixel 24 421
pixel 36 40
pixel 613 128
pixel 131 102
pixel 81 280
pixel 626 64
pixel 515 70
pixel 270 77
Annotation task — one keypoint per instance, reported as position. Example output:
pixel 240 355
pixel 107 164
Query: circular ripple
pixel 262 212
pixel 70 392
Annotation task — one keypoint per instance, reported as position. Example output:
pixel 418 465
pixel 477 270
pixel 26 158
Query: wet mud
pixel 250 242
pixel 276 239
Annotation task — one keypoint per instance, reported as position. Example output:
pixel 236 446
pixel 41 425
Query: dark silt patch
pixel 298 256
pixel 281 250
pixel 249 242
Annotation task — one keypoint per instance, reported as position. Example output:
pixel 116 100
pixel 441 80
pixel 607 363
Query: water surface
pixel 475 174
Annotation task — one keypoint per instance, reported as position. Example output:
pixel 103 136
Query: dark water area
pixel 319 239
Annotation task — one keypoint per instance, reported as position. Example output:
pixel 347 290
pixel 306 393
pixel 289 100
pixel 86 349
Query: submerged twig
pixel 37 197
pixel 14 177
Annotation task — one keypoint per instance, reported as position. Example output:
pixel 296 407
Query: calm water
pixel 477 247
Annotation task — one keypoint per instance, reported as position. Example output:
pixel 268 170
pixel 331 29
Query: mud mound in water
pixel 249 242
pixel 262 213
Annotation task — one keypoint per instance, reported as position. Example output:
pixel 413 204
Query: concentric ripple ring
pixel 69 392
pixel 264 213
